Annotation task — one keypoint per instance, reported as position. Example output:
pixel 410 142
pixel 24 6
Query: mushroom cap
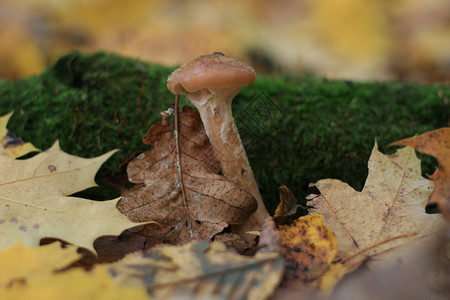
pixel 210 71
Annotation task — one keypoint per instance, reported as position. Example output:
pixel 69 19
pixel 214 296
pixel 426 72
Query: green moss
pixel 299 129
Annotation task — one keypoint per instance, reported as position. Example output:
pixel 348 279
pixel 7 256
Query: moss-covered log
pixel 297 129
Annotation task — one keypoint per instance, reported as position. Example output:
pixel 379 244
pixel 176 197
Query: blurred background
pixel 350 39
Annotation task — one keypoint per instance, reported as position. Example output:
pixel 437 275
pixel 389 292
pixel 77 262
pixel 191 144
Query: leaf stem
pixel 378 244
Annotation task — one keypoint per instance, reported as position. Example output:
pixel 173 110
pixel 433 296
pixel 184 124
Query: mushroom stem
pixel 219 125
pixel 211 82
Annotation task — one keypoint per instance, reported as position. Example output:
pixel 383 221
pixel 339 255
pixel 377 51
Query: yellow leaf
pixel 387 216
pixel 309 248
pixel 336 271
pixel 28 273
pixel 13 146
pixel 19 262
pixel 34 204
pixel 201 269
pixel 287 207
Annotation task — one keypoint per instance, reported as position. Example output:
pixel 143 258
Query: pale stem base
pixel 224 137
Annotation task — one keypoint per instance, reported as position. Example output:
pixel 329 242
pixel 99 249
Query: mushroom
pixel 211 82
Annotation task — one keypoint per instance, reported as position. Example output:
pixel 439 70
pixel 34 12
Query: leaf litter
pixel 345 227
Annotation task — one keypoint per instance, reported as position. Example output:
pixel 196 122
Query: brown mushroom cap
pixel 209 71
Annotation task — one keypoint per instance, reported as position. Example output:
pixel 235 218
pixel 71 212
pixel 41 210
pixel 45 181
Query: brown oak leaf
pixel 198 205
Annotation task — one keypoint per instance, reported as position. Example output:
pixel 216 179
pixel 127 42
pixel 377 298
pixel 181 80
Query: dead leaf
pixel 309 248
pixel 437 144
pixel 270 238
pixel 13 145
pixel 29 273
pixel 287 207
pixel 34 204
pixel 232 240
pixel 427 277
pixel 198 205
pixel 201 269
pixel 114 248
pixel 19 262
pixel 387 216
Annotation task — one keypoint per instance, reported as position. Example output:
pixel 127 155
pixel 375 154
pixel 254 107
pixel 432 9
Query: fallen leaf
pixel 34 206
pixel 114 248
pixel 270 238
pixel 201 269
pixel 29 273
pixel 13 145
pixel 309 248
pixel 108 248
pixel 232 240
pixel 428 277
pixel 19 262
pixel 386 217
pixel 437 144
pixel 198 205
pixel 287 207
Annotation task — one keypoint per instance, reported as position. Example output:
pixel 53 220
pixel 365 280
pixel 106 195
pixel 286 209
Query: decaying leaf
pixel 437 144
pixel 33 203
pixel 309 248
pixel 427 277
pixel 28 273
pixel 287 207
pixel 232 240
pixel 13 145
pixel 270 238
pixel 198 205
pixel 201 269
pixel 387 214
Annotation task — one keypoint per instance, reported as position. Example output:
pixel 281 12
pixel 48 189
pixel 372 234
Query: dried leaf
pixel 201 269
pixel 232 240
pixel 114 248
pixel 270 238
pixel 28 273
pixel 427 277
pixel 19 262
pixel 34 206
pixel 437 144
pixel 309 247
pixel 287 207
pixel 198 205
pixel 387 214
pixel 13 145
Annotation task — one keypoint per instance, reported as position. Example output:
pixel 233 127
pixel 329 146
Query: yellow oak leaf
pixel 387 216
pixel 34 204
pixel 201 269
pixel 13 146
pixel 29 273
